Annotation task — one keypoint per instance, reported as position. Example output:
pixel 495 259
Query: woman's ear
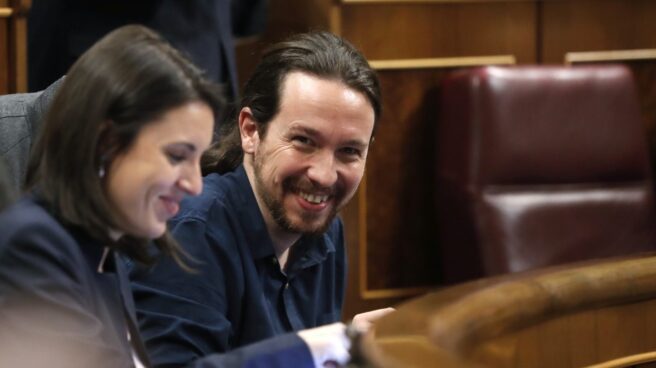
pixel 250 138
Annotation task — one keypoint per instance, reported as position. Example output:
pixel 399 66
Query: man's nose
pixel 322 170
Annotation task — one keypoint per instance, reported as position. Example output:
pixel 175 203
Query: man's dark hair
pixel 321 54
pixel 127 80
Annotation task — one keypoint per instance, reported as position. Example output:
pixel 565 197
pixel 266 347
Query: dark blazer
pixel 65 302
pixel 56 308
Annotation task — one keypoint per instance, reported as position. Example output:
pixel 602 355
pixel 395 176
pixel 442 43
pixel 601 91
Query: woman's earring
pixel 101 166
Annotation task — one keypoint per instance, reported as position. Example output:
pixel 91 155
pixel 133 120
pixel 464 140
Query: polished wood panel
pixel 572 316
pixel 420 30
pixel 426 1
pixel 401 64
pixel 572 58
pixel 18 33
pixel 394 211
pixel 596 25
pixel 13 46
pixel 4 49
pixel 399 204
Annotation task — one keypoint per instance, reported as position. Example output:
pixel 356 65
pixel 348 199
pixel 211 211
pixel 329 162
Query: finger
pixel 374 314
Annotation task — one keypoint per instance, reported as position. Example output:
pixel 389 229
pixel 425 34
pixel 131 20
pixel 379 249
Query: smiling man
pixel 268 247
pixel 308 163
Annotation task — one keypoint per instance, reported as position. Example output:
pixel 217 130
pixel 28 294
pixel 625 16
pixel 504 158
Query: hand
pixel 362 322
pixel 328 344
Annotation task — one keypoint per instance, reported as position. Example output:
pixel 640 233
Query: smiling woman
pixel 129 88
pixel 101 178
pixel 119 149
pixel 148 181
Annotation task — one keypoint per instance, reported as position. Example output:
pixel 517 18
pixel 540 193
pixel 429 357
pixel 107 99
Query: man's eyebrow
pixel 303 129
pixel 315 133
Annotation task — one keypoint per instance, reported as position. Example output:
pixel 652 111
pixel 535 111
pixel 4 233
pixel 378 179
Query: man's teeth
pixel 316 199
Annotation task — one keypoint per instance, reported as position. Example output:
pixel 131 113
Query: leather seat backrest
pixel 540 165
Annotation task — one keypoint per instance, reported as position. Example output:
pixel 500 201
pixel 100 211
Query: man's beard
pixel 277 210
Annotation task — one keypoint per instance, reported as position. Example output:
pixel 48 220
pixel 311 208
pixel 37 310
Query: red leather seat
pixel 540 165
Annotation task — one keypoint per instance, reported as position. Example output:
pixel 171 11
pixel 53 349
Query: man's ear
pixel 250 138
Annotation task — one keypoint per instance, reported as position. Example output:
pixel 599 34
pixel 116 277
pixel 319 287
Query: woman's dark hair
pixel 321 54
pixel 125 81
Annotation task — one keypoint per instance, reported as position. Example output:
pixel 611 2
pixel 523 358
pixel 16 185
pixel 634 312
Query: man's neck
pixel 282 240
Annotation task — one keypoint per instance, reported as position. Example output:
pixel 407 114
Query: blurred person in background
pixel 59 31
